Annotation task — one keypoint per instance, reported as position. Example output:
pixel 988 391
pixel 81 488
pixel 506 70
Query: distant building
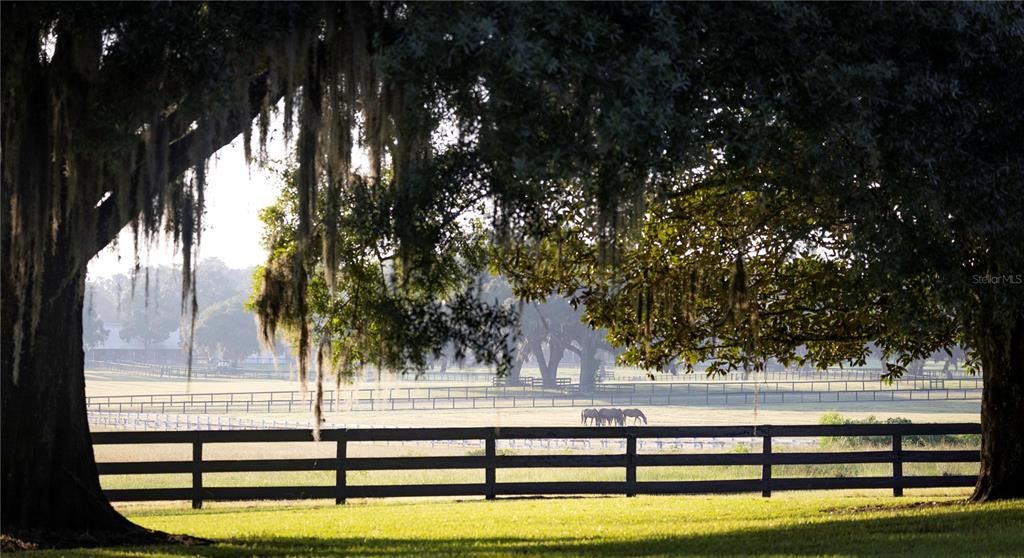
pixel 115 349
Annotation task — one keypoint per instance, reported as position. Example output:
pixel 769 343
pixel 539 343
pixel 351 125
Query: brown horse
pixel 636 414
pixel 589 414
pixel 610 416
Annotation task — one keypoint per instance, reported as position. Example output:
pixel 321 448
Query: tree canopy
pixel 226 330
pixel 378 312
pixel 714 180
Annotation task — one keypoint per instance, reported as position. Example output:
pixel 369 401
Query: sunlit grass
pixel 790 525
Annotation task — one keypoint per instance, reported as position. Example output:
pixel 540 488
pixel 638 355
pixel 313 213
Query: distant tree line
pixel 147 306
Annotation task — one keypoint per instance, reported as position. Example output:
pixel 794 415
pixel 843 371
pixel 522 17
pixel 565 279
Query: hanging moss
pixel 83 156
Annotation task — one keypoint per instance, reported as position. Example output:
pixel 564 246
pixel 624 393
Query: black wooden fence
pixel 490 462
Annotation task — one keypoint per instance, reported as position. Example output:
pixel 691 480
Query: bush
pixel 832 417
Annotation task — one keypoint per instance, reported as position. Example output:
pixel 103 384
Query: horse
pixel 589 414
pixel 611 416
pixel 635 414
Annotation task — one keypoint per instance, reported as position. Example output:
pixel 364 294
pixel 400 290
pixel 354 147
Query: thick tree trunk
pixel 1002 416
pixel 50 491
pixel 50 487
pixel 549 367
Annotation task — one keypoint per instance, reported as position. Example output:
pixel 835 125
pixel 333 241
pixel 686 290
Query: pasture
pixel 837 524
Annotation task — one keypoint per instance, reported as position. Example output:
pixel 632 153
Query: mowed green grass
pixel 785 525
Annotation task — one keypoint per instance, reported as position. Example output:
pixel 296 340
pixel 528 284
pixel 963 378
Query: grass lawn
pixel 785 525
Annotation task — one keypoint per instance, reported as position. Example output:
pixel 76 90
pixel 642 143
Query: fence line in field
pixel 490 391
pixel 177 423
pixel 281 372
pixel 509 397
pixel 283 369
pixel 490 462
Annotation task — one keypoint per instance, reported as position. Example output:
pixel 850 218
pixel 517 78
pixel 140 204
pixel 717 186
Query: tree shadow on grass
pixel 979 532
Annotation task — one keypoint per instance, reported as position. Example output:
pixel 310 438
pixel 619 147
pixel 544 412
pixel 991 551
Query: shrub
pixel 832 417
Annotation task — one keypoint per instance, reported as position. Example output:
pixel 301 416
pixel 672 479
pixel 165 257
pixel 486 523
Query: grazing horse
pixel 591 415
pixel 610 416
pixel 635 414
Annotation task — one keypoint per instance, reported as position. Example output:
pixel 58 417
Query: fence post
pixel 197 473
pixel 897 465
pixel 491 453
pixel 340 480
pixel 630 465
pixel 766 466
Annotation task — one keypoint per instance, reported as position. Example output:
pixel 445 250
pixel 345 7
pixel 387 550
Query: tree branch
pixel 184 153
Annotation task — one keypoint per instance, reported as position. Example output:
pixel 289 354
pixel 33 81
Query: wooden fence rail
pixel 490 461
pixel 282 368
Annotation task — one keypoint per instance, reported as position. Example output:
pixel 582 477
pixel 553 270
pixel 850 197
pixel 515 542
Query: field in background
pixel 788 525
pixel 103 383
pixel 919 412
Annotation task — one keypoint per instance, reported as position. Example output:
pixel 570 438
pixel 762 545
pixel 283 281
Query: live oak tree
pixel 560 328
pixel 867 187
pixel 894 128
pixel 110 112
pixel 547 330
pixel 146 303
pixel 378 310
pixel 227 331
pixel 150 312
pixel 913 186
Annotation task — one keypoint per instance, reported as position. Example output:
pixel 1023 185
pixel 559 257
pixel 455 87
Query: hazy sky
pixel 231 230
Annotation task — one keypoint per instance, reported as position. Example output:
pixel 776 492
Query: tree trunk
pixel 589 364
pixel 549 367
pixel 51 490
pixel 49 487
pixel 916 369
pixel 1002 415
pixel 516 370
